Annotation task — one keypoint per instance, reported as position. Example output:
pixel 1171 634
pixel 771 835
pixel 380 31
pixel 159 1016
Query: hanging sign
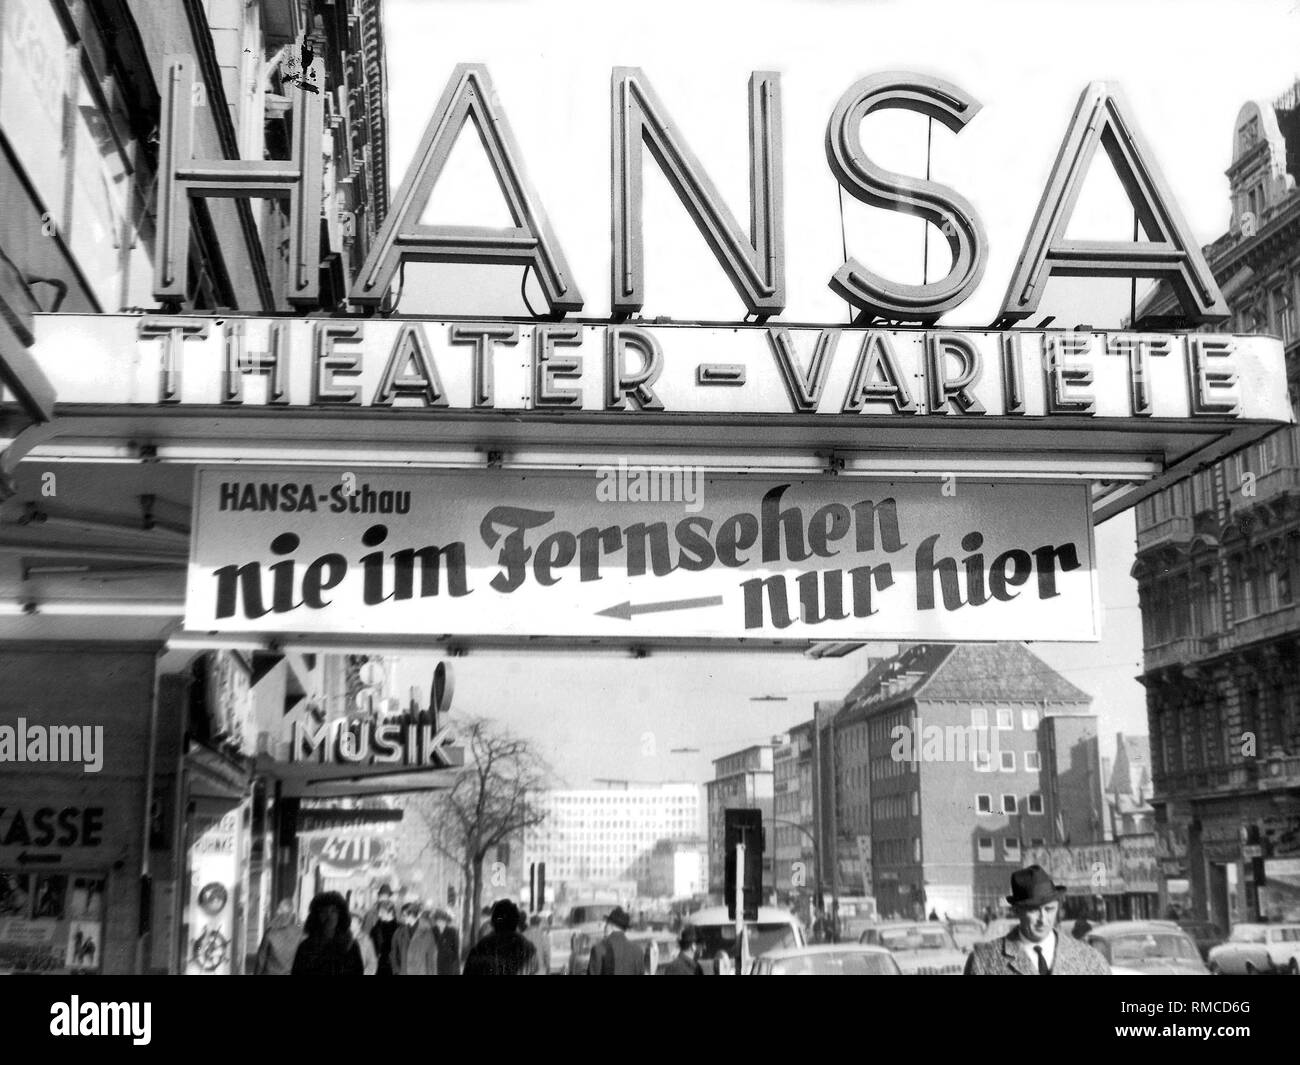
pixel 639 551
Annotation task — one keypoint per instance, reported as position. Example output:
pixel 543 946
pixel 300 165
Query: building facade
pixel 1218 561
pixel 794 853
pixel 173 815
pixel 952 761
pixel 593 836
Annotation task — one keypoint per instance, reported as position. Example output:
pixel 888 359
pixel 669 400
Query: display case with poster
pixel 51 922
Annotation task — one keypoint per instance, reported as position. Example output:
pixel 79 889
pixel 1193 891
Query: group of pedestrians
pixel 381 942
pixel 386 941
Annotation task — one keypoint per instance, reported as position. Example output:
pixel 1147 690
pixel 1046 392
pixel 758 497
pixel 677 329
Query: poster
pixel 640 551
pixel 213 875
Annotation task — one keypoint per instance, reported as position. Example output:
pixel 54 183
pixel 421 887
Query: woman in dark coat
pixel 328 949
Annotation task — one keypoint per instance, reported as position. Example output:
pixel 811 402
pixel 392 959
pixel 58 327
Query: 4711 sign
pixel 504 554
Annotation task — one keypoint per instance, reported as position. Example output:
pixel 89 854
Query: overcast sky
pixel 1186 68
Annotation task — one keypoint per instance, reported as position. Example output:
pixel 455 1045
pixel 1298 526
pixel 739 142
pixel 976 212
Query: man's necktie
pixel 1043 969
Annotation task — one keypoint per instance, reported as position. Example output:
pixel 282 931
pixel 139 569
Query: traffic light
pixel 743 826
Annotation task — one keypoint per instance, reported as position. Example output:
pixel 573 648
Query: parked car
pixel 921 948
pixel 561 945
pixel 966 932
pixel 775 929
pixel 1205 934
pixel 827 959
pixel 999 927
pixel 1147 948
pixel 1258 949
pixel 581 942
pixel 659 948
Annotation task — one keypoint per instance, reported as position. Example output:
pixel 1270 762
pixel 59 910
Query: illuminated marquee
pixel 755 264
pixel 442 368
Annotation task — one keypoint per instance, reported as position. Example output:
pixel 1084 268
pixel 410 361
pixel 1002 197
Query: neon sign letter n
pixel 754 265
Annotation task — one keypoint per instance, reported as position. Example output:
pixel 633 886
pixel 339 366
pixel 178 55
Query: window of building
pixel 983 761
pixel 1008 761
pixel 1029 720
pixel 916 849
pixel 983 803
pixel 979 717
pixel 1011 848
pixel 916 804
pixel 985 848
pixel 1008 804
pixel 1037 841
pixel 1004 719
pixel 1032 762
pixel 1035 803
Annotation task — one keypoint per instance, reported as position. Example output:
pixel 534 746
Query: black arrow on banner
pixel 46 859
pixel 627 610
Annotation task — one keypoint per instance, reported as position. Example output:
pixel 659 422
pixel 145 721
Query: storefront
pixel 73 737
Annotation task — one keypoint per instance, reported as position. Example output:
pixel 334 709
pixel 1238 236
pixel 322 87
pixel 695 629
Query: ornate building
pixel 1218 560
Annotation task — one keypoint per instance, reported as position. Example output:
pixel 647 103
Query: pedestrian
pixel 448 941
pixel 328 948
pixel 280 943
pixel 614 955
pixel 382 933
pixel 1034 947
pixel 1081 928
pixel 369 959
pixel 415 950
pixel 383 896
pixel 540 938
pixel 688 950
pixel 503 951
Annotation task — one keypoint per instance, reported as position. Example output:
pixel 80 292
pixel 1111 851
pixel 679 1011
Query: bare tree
pixel 494 799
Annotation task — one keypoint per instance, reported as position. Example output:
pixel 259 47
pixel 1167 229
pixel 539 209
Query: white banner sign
pixel 628 551
pixel 448 368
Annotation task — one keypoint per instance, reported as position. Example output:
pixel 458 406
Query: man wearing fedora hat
pixel 614 955
pixel 1035 948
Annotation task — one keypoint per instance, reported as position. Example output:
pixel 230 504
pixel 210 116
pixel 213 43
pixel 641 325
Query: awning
pixel 313 780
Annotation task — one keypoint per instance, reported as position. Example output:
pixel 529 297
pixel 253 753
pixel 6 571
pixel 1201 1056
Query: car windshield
pixel 1140 948
pixel 918 938
pixel 1248 934
pixel 762 938
pixel 839 963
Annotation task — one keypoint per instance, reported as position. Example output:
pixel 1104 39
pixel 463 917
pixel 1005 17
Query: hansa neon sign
pixel 754 262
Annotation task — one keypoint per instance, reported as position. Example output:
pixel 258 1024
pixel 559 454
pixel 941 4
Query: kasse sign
pixel 651 552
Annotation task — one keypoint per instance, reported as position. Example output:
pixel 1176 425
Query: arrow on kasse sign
pixel 627 610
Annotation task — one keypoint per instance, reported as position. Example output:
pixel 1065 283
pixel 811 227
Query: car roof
pixel 1114 929
pixel 715 915
pixel 906 924
pixel 823 948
